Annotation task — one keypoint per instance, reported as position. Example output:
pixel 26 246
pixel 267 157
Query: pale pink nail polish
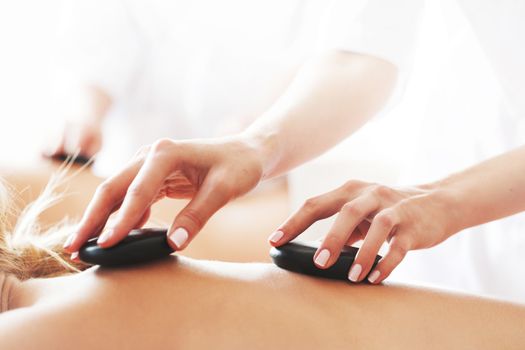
pixel 276 236
pixel 322 257
pixel 69 240
pixel 373 276
pixel 104 236
pixel 179 237
pixel 355 271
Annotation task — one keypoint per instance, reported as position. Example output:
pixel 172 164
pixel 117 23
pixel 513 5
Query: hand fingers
pixel 351 214
pixel 144 219
pixel 397 250
pixel 312 210
pixel 213 195
pixel 359 233
pixel 140 193
pixel 382 226
pixel 108 197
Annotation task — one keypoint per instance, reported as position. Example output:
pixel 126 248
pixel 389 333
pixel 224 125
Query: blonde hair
pixel 28 250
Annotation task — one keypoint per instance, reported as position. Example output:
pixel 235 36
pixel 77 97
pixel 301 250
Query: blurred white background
pixel 448 59
pixel 27 45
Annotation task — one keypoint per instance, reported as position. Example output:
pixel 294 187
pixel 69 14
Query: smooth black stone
pixel 140 246
pixel 298 257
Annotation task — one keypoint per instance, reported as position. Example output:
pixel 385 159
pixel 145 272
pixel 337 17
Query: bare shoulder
pixel 39 327
pixel 78 324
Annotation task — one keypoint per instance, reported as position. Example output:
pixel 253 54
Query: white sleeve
pixel 386 29
pixel 383 28
pixel 99 44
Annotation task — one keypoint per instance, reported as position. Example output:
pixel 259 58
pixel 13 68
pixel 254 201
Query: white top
pixel 463 126
pixel 184 69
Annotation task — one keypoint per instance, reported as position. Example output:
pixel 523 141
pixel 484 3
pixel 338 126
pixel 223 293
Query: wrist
pixel 266 146
pixel 85 121
pixel 450 205
pixel 93 124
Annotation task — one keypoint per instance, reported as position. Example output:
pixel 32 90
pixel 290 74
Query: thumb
pixel 212 196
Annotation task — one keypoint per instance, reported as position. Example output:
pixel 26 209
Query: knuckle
pixel 385 219
pixel 161 145
pixel 105 190
pixel 352 185
pixel 352 210
pixel 311 205
pixel 194 217
pixel 381 191
pixel 224 188
pixel 136 191
pixel 334 241
pixel 403 203
pixel 406 206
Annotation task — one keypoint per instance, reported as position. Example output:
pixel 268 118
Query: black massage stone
pixel 140 246
pixel 80 159
pixel 298 257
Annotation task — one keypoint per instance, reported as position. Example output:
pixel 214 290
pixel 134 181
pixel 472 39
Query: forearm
pixel 87 104
pixel 330 98
pixel 101 103
pixel 98 103
pixel 488 191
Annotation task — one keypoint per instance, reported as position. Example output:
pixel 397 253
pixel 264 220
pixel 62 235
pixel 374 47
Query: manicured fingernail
pixel 355 271
pixel 322 257
pixel 69 241
pixel 74 256
pixel 179 237
pixel 104 236
pixel 373 276
pixel 276 236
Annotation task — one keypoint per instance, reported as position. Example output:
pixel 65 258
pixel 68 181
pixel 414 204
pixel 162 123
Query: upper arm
pixel 382 28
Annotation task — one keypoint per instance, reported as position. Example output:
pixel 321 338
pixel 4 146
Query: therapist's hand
pixel 210 172
pixel 408 218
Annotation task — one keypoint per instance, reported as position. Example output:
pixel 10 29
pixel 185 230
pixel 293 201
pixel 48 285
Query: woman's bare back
pixel 181 303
